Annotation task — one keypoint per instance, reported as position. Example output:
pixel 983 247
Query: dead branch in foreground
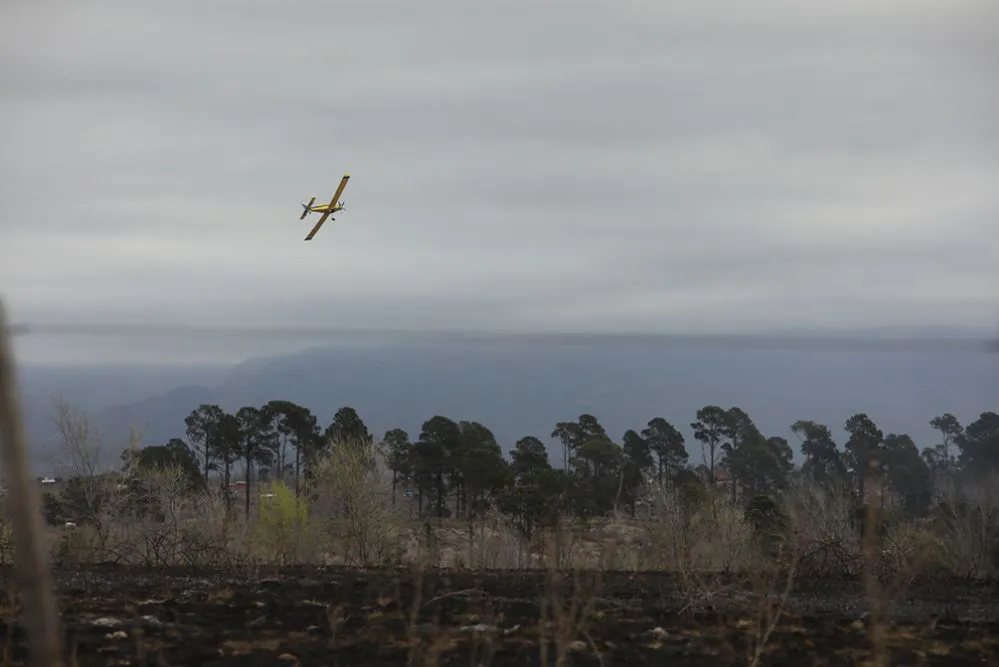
pixel 26 516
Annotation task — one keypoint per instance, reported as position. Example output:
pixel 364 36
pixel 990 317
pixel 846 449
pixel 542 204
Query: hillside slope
pixel 520 391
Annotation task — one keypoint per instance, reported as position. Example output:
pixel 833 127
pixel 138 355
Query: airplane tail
pixel 306 207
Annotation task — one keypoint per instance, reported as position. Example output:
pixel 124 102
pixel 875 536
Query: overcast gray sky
pixel 522 164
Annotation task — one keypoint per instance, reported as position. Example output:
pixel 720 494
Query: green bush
pixel 282 521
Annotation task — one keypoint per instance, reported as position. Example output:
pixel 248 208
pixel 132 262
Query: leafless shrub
pixel 908 551
pixel 560 544
pixel 709 534
pixel 353 500
pixel 154 532
pixel 823 520
pixel 215 536
pixel 169 523
pixel 772 578
pixel 698 534
pixel 95 495
pixel 967 524
pixel 493 543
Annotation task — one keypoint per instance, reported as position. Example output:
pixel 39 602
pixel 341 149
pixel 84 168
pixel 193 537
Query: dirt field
pixel 316 616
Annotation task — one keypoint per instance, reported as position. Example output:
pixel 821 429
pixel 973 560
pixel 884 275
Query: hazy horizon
pixel 220 350
pixel 520 389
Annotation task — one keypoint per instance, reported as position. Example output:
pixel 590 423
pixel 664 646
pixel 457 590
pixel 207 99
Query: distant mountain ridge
pixel 519 390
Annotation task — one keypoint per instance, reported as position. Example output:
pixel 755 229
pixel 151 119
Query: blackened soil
pixel 327 616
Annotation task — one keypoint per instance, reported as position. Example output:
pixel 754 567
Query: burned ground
pixel 327 616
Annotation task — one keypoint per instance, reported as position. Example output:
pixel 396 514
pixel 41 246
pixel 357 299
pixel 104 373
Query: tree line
pixel 458 468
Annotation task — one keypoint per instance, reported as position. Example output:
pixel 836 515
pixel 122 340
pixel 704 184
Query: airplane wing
pixel 319 224
pixel 339 191
pixel 336 198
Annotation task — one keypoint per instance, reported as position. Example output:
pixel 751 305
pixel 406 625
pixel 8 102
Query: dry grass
pixel 356 525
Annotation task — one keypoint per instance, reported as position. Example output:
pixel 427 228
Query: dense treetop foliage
pixel 458 468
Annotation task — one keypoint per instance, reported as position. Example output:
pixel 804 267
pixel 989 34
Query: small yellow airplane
pixel 326 209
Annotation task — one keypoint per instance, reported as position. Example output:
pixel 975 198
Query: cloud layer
pixel 626 164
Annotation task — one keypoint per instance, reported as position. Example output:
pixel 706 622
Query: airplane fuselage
pixel 322 208
pixel 325 207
